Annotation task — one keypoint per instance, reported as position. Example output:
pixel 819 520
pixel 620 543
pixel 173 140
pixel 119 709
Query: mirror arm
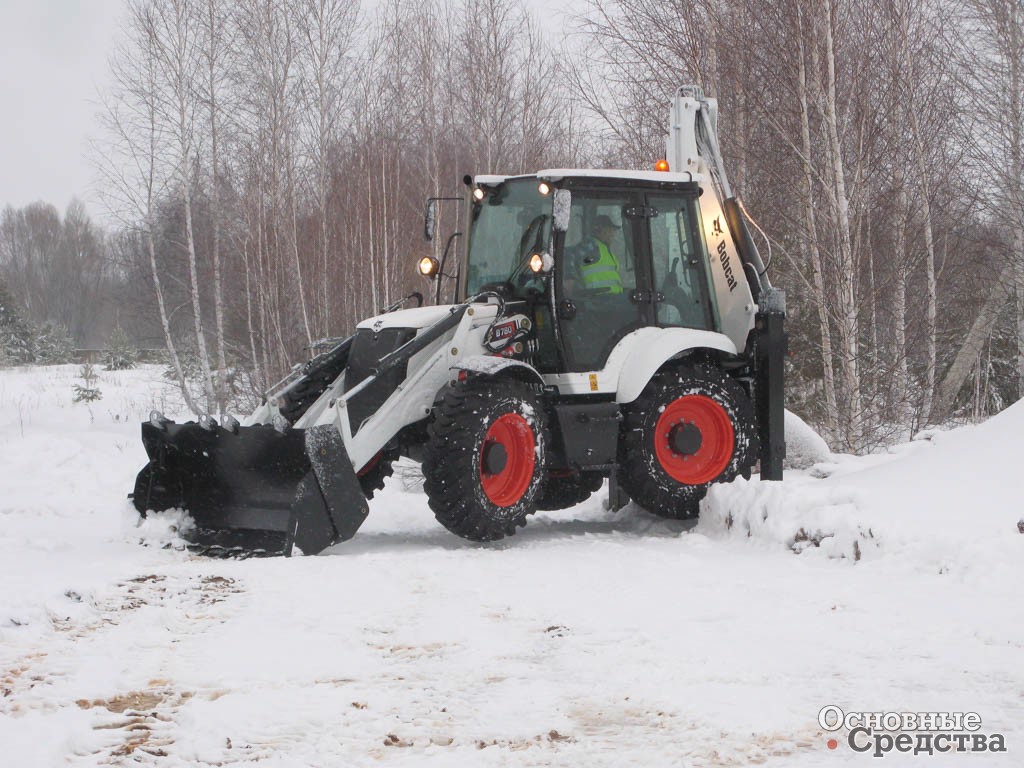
pixel 440 270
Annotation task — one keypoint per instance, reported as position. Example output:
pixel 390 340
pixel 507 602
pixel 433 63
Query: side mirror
pixel 430 220
pixel 561 206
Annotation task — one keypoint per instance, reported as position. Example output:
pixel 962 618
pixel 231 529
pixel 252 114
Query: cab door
pixel 682 295
pixel 595 310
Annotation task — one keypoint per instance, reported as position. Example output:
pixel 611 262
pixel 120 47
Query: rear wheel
pixel 692 426
pixel 484 459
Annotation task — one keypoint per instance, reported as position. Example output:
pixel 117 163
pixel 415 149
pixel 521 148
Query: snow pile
pixel 951 500
pixel 157 529
pixel 804 446
pixel 809 517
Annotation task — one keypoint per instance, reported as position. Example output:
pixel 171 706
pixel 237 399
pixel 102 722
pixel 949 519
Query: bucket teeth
pixel 238 544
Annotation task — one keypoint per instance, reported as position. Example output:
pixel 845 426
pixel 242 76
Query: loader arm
pixel 411 401
pixel 266 487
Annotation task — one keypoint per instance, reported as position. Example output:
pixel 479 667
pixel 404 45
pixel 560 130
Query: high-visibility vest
pixel 603 272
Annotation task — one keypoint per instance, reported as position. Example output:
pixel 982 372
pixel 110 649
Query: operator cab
pixel 589 256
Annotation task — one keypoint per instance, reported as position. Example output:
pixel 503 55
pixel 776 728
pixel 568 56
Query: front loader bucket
pixel 252 490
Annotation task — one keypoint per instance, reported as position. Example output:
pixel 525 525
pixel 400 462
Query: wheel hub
pixel 685 439
pixel 507 459
pixel 694 439
pixel 495 458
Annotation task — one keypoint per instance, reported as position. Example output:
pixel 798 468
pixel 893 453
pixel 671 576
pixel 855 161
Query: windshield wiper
pixel 527 253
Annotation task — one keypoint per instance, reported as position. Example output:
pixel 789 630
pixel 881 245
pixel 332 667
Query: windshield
pixel 509 225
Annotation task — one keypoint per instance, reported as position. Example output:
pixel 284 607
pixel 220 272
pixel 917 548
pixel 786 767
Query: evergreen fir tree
pixel 87 391
pixel 53 345
pixel 121 355
pixel 16 337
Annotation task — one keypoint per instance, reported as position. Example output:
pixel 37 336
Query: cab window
pixel 678 266
pixel 512 222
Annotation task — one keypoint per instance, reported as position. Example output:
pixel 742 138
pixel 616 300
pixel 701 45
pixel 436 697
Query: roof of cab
pixel 556 174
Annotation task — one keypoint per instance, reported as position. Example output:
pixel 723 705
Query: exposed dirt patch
pixel 145 720
pixel 518 745
pixel 217 589
pixel 16 674
pixel 150 578
pixel 763 748
pixel 413 651
pixel 22 675
pixel 338 681
pixel 135 701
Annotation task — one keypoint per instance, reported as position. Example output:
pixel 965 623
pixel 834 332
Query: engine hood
pixel 417 317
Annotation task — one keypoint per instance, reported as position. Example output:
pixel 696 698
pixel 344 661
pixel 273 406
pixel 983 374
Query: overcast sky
pixel 53 55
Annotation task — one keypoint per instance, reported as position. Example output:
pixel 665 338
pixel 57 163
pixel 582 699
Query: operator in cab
pixel 598 268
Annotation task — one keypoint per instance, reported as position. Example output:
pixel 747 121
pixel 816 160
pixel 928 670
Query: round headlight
pixel 428 266
pixel 544 188
pixel 541 262
pixel 478 194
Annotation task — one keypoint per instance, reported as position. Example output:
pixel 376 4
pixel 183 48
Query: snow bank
pixel 804 446
pixel 952 500
pixel 809 517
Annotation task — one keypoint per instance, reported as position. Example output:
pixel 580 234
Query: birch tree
pixel 173 29
pixel 131 159
pixel 994 48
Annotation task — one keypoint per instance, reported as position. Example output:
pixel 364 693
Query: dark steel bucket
pixel 252 490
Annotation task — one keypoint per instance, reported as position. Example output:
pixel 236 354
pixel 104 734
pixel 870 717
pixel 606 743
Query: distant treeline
pixel 269 160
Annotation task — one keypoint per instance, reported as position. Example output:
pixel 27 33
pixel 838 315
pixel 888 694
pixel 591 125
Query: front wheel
pixel 484 459
pixel 691 426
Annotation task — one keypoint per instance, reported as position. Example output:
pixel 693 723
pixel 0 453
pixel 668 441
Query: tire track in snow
pixel 40 668
pixel 145 727
pixel 136 724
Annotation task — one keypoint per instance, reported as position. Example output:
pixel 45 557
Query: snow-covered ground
pixel 889 583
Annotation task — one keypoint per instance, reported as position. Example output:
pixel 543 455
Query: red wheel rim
pixel 511 434
pixel 715 445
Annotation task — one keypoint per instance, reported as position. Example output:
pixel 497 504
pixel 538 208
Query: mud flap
pixel 252 491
